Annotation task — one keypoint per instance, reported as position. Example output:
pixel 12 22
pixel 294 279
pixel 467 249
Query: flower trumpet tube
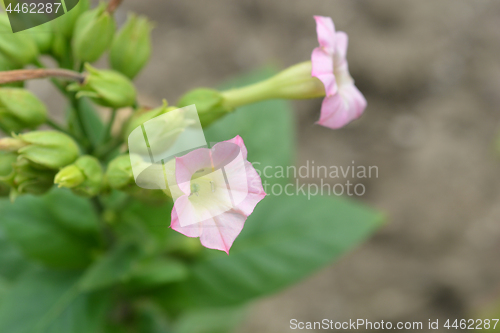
pixel 295 82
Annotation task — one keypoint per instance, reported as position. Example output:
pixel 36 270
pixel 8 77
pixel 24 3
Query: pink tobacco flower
pixel 343 102
pixel 219 189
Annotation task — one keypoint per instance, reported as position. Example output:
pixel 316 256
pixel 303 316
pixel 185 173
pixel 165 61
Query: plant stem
pixel 113 5
pixel 109 127
pixel 41 73
pixel 58 127
pixel 79 120
pixel 108 148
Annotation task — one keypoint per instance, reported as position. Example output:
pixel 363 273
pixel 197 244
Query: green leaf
pixel 284 240
pixel 12 263
pixel 210 320
pixel 93 124
pixel 155 272
pixel 48 302
pixel 267 128
pixel 147 224
pixel 114 267
pixel 57 229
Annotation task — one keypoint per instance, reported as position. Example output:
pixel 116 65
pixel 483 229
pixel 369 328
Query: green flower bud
pixel 42 36
pixel 65 24
pixel 21 49
pixel 27 178
pixel 69 177
pixel 7 65
pixel 106 88
pixel 119 176
pixel 7 161
pixel 43 149
pixel 119 173
pixel 84 177
pixel 131 47
pixel 93 34
pixel 143 115
pixel 209 104
pixel 20 109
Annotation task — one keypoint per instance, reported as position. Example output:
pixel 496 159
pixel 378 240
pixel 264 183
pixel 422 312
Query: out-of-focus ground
pixel 430 70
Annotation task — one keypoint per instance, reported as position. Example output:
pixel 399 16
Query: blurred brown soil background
pixel 430 70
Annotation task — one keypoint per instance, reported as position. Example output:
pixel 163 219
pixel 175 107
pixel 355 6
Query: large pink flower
pixel 343 102
pixel 219 190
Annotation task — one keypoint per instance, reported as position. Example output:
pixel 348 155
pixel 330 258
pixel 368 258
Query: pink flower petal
pixel 322 68
pixel 343 102
pixel 342 108
pixel 220 232
pixel 341 43
pixel 182 206
pixel 326 32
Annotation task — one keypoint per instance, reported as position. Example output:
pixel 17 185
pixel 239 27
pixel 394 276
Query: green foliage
pixel 57 230
pixel 284 240
pixel 44 301
pixel 111 269
pixel 221 320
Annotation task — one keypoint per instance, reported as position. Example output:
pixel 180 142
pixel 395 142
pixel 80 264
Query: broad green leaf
pixel 267 128
pixel 57 229
pixel 45 301
pixel 284 240
pixel 12 263
pixel 219 320
pixel 149 224
pixel 155 272
pixel 114 267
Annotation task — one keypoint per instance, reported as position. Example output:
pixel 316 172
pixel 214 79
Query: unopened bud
pixel 84 177
pixel 20 109
pixel 106 88
pixel 29 179
pixel 131 47
pixel 21 49
pixel 119 176
pixel 42 36
pixel 8 65
pixel 119 173
pixel 209 104
pixel 45 149
pixel 93 34
pixel 65 24
pixel 7 161
pixel 143 115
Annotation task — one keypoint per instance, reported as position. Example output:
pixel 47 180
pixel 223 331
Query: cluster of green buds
pixel 34 159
